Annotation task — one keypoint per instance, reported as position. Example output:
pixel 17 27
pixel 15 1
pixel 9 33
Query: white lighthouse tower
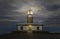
pixel 29 26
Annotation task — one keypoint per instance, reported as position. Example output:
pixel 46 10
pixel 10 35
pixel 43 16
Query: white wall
pixel 18 28
pixel 33 28
pixel 25 28
pixel 40 27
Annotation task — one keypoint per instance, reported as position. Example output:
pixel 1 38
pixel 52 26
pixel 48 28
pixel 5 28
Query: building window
pixel 37 28
pixel 21 28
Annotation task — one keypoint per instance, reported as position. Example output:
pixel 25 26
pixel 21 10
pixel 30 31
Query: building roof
pixel 29 24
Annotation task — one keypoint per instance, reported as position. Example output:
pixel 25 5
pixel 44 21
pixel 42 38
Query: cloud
pixel 16 10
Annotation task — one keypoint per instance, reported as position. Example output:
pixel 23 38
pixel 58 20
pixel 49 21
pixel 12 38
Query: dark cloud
pixel 53 7
pixel 53 21
pixel 15 10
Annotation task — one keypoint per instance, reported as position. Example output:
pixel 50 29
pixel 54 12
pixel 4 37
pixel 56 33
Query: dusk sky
pixel 45 12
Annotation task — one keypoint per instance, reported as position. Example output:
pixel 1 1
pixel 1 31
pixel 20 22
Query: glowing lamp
pixel 30 11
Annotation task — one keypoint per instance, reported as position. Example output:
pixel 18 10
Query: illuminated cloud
pixel 17 9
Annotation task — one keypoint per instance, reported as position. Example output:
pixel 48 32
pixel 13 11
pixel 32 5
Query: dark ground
pixel 34 35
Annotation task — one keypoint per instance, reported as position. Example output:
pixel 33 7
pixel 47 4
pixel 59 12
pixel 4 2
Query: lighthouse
pixel 29 26
pixel 30 20
pixel 30 16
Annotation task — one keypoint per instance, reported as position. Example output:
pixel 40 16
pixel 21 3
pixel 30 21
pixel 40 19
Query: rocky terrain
pixel 33 35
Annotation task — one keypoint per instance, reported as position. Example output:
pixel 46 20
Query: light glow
pixel 30 28
pixel 30 11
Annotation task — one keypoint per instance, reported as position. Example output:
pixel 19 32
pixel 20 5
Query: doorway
pixel 30 28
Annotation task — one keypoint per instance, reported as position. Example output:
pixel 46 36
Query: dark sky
pixel 46 12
